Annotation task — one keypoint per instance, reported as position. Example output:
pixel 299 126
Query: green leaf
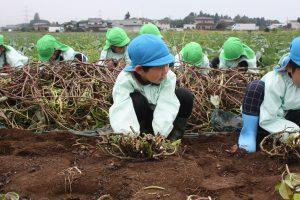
pixel 285 192
pixel 176 143
pixel 296 196
pixel 277 187
pixel 12 196
pixel 288 182
pixel 215 100
pixel 295 179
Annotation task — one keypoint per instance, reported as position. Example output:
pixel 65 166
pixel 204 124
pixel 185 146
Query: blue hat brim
pixel 169 59
pixel 129 68
pixel 294 51
pixel 296 61
pixel 285 61
pixel 282 63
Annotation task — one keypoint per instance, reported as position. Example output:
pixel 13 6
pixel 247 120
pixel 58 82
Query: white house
pixel 163 25
pixel 130 25
pixel 294 24
pixel 189 26
pixel 177 29
pixel 245 27
pixel 276 26
pixel 55 29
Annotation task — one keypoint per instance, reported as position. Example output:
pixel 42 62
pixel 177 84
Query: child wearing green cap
pixel 114 52
pixel 145 98
pixel 192 55
pixel 150 28
pixel 237 54
pixel 50 49
pixel 9 57
pixel 273 102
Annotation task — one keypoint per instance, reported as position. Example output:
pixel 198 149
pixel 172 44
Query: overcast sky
pixel 15 11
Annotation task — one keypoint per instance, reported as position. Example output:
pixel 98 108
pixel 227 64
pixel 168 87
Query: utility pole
pixel 26 18
pixel 99 13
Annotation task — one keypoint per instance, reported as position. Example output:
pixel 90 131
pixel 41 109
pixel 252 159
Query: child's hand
pixel 160 138
pixel 122 63
pixel 110 63
pixel 6 69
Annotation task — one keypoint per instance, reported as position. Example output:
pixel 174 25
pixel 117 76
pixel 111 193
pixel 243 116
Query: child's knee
pixel 186 99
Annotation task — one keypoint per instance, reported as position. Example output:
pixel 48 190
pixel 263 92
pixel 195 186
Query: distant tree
pixel 166 20
pixel 127 16
pixel 237 18
pixel 190 18
pixel 216 18
pixel 298 20
pixel 36 17
pixel 177 23
pixel 221 26
pixel 202 14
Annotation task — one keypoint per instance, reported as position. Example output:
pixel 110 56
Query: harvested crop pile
pixel 77 96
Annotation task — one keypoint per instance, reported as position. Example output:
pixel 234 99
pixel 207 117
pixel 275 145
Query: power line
pixel 26 15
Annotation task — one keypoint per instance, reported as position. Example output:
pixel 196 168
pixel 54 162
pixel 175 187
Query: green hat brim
pixel 46 58
pixel 223 56
pixel 197 64
pixel 107 45
pixel 61 46
pixel 247 51
pixel 5 46
pixel 122 44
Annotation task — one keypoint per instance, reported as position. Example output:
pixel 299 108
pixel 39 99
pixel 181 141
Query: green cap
pixel 150 29
pixel 192 54
pixel 47 45
pixel 233 49
pixel 2 42
pixel 117 37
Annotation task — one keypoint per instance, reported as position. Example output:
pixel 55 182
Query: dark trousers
pixel 254 97
pixel 144 110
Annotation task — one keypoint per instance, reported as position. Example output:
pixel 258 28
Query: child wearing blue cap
pixel 145 98
pixel 273 102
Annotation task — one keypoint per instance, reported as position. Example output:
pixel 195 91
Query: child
pixel 236 54
pixel 9 57
pixel 193 56
pixel 150 29
pixel 114 52
pixel 49 49
pixel 144 94
pixel 273 101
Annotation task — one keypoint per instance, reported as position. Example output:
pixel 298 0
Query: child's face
pixel 55 56
pixel 154 74
pixel 118 49
pixel 296 77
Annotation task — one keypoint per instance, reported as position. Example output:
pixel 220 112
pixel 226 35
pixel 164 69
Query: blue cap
pixel 294 55
pixel 295 51
pixel 148 51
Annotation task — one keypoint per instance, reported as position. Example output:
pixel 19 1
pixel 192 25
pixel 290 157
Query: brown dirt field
pixel 30 164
